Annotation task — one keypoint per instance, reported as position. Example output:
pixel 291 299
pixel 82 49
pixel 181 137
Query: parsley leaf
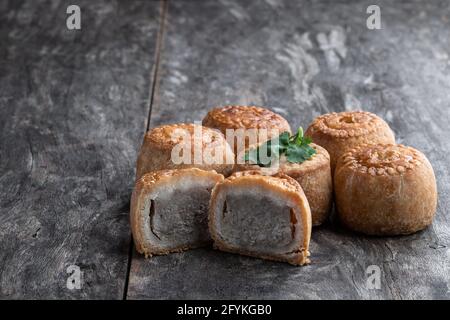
pixel 295 147
pixel 299 154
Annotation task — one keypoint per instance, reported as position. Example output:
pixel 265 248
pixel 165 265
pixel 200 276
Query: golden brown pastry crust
pixel 385 189
pixel 314 176
pixel 245 117
pixel 279 183
pixel 337 132
pixel 144 187
pixel 155 152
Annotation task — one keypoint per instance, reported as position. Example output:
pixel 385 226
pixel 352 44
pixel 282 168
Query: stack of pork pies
pixel 262 196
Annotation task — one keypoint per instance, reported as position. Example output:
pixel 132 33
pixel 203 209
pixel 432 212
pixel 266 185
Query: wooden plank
pixel 73 109
pixel 302 59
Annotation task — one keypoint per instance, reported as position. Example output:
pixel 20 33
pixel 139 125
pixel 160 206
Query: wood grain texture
pixel 302 59
pixel 73 109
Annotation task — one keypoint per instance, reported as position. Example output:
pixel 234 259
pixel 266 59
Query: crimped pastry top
pixel 382 159
pixel 235 117
pixel 169 135
pixel 154 177
pixel 347 124
pixel 279 180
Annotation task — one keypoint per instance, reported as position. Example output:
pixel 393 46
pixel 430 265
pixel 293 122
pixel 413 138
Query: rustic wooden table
pixel 74 106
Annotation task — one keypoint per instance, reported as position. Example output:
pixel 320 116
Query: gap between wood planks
pixel 164 7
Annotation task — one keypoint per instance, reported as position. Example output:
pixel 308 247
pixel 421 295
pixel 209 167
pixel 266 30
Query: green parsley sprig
pixel 296 148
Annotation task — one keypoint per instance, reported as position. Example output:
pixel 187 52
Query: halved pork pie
pixel 261 216
pixel 169 210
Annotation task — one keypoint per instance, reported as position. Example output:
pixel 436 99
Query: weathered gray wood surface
pixel 304 58
pixel 73 109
